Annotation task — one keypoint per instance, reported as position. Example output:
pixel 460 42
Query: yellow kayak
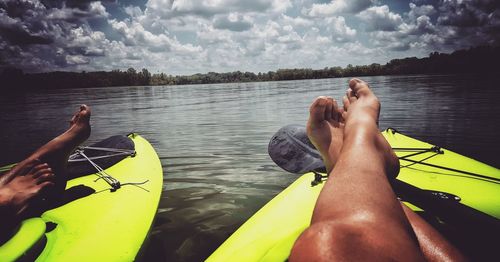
pixel 109 223
pixel 271 232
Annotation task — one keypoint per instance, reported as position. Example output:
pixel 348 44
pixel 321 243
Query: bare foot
pixel 361 113
pixel 64 144
pixel 325 129
pixel 57 151
pixel 18 190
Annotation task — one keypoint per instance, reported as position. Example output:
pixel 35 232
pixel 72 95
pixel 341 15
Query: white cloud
pixel 209 8
pixel 190 36
pixel 95 10
pixel 133 11
pixel 423 10
pixel 339 30
pixel 234 22
pixel 337 7
pixel 135 34
pixel 380 18
pixel 91 43
pixel 76 59
pixel 296 21
pixel 98 9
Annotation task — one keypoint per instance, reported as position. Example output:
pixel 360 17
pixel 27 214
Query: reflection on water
pixel 212 139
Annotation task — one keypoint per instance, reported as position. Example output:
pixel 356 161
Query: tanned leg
pixel 357 215
pixel 41 175
pixel 56 152
pixel 327 136
pixel 432 244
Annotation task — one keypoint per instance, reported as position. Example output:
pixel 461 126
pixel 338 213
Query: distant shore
pixel 477 60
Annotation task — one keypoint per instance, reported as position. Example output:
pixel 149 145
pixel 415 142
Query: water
pixel 212 139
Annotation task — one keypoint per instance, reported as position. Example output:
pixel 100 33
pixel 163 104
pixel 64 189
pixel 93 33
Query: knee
pixel 325 241
pixel 352 238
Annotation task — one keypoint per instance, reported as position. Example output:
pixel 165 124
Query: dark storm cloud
pixel 468 13
pixel 188 36
pixel 80 4
pixel 31 22
pixel 474 21
pixel 43 33
pixel 17 35
pixel 20 23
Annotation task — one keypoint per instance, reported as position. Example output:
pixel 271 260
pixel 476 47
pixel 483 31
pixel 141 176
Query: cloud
pixel 76 60
pixel 86 42
pixel 473 22
pixel 380 18
pixel 190 36
pixel 134 34
pixel 397 33
pixel 209 8
pixel 336 7
pixel 296 21
pixel 418 30
pixel 21 28
pixel 92 10
pixel 339 30
pixel 233 22
pixel 50 37
pixel 467 13
pixel 423 10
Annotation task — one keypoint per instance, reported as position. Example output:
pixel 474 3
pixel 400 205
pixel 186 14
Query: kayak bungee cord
pixel 117 151
pixel 420 161
pixel 494 180
pixel 437 150
pixel 418 151
pixel 454 175
pixel 113 182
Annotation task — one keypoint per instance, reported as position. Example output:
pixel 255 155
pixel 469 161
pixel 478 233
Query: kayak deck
pixel 104 225
pixel 271 232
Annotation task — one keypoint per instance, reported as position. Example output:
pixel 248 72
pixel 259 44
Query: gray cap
pixel 291 149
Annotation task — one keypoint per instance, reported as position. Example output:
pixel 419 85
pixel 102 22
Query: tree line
pixel 477 60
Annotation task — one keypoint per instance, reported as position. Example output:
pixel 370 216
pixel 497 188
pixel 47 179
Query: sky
pixel 199 36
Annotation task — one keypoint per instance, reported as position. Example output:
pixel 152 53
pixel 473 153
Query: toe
pixel 37 170
pixel 84 112
pixel 359 87
pixel 317 110
pixel 82 115
pixel 329 108
pixel 342 115
pixel 23 168
pixel 45 185
pixel 346 103
pixel 351 96
pixel 46 177
pixel 335 111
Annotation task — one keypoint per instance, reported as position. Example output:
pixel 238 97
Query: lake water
pixel 212 139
